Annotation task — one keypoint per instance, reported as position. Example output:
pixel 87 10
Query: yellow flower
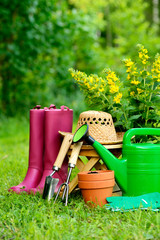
pixel 131 69
pixel 111 77
pixel 144 61
pixel 156 69
pixel 140 54
pixel 117 98
pixel 128 70
pixel 154 76
pixel 101 89
pixel 129 63
pixel 110 82
pixel 144 50
pixel 114 89
pixel 146 56
pixel 132 93
pixel 135 82
pixel 143 55
pixel 134 73
pixel 139 90
pixel 91 79
pixel 128 77
pixel 102 81
pixel 85 81
pixel 87 84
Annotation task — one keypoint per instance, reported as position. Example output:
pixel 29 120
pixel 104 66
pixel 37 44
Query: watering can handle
pixel 139 131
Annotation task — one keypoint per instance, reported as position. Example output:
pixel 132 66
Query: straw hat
pixel 101 127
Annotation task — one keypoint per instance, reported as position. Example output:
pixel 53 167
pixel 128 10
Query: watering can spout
pixel 118 165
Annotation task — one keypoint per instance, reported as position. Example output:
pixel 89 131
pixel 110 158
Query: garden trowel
pixel 50 182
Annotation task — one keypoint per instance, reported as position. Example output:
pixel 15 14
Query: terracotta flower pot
pixel 96 186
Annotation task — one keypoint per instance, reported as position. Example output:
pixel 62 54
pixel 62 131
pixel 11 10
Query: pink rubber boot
pixel 55 120
pixel 36 150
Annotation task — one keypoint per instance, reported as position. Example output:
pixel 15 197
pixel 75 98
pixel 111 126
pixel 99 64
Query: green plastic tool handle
pixel 139 131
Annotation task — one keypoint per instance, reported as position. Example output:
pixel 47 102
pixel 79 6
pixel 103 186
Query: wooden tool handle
pixel 75 152
pixel 67 141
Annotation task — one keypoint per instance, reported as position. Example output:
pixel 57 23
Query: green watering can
pixel 138 172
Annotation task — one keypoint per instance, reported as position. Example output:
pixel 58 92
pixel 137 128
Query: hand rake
pixel 71 165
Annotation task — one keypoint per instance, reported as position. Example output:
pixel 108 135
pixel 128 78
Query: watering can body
pixel 143 163
pixel 138 172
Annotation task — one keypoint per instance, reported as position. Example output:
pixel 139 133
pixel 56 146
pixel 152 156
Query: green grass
pixel 30 217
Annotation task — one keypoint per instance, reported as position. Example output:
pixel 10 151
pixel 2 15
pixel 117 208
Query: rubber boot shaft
pixel 55 120
pixel 36 150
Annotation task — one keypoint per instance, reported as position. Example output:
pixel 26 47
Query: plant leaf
pixel 135 117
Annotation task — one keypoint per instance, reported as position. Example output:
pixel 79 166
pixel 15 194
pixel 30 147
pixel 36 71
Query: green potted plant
pixel 134 100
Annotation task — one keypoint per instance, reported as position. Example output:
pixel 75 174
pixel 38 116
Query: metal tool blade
pixel 49 187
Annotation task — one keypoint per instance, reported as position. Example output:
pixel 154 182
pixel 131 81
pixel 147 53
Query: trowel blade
pixel 49 187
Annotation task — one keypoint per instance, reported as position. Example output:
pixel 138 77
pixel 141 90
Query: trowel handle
pixel 75 153
pixel 67 141
pixel 139 131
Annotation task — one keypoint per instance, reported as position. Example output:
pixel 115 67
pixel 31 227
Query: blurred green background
pixel 41 39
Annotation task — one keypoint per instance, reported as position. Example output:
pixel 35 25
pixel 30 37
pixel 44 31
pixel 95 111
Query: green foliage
pixel 133 101
pixel 130 27
pixel 41 39
pixel 127 24
pixel 25 33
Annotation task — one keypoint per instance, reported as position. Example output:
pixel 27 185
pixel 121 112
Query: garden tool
pixel 36 150
pixel 55 120
pixel 71 165
pixel 149 200
pixel 138 172
pixel 50 182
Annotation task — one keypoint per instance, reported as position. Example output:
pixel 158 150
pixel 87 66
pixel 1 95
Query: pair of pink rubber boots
pixel 44 145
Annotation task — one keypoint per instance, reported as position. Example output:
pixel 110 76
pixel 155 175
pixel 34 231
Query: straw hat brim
pixel 118 140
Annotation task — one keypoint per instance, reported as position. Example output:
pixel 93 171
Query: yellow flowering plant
pixel 134 100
